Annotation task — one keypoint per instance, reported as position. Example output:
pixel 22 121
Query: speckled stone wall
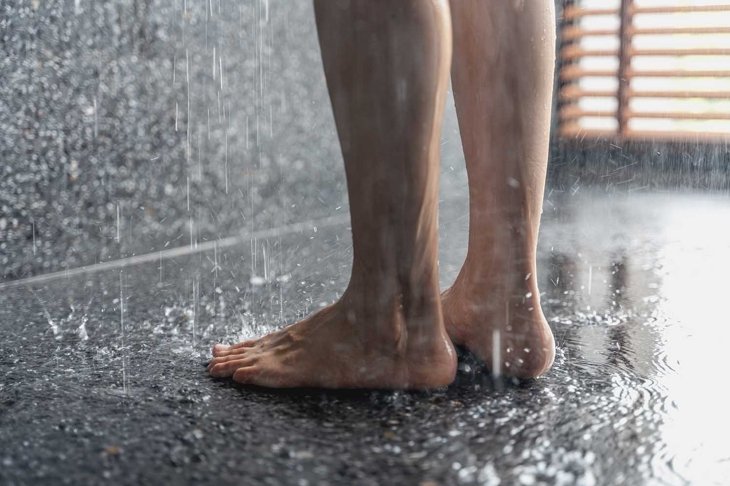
pixel 124 124
pixel 130 126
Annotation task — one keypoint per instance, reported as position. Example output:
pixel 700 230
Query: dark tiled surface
pixel 103 377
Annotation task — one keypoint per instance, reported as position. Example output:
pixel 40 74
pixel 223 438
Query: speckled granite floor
pixel 102 376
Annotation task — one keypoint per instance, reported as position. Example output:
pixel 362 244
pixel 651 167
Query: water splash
pixel 81 331
pixel 96 119
pixel 496 353
pixel 196 294
pixel 124 331
pixel 119 219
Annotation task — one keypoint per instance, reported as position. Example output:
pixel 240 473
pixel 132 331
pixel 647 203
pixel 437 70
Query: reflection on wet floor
pixel 103 376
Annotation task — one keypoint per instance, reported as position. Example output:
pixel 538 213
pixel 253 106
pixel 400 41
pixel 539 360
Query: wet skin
pixel 387 67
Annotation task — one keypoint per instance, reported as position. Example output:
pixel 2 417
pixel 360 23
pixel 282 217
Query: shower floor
pixel 103 376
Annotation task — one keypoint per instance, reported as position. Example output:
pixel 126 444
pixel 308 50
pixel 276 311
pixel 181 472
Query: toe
pixel 225 350
pixel 225 359
pixel 220 348
pixel 247 375
pixel 228 368
pixel 231 352
pixel 244 344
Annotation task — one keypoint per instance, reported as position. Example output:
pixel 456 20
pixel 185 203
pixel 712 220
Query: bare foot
pixel 507 330
pixel 337 348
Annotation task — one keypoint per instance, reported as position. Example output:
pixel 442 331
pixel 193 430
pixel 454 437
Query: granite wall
pixel 129 126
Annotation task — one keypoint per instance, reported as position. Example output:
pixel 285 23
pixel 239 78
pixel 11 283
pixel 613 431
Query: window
pixel 645 69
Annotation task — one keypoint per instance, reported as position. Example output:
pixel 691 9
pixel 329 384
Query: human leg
pixel 387 66
pixel 502 77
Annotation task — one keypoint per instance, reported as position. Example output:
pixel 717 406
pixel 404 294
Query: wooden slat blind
pixel 661 73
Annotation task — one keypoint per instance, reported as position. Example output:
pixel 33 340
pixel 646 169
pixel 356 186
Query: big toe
pixel 247 375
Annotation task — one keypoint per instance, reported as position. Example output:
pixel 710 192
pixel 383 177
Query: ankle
pixel 504 301
pixel 518 291
pixel 389 314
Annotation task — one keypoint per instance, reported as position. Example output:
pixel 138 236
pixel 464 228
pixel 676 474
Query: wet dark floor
pixel 103 378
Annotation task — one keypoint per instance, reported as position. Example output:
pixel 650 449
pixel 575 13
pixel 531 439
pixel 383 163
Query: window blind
pixel 644 69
